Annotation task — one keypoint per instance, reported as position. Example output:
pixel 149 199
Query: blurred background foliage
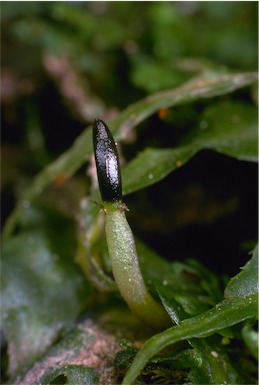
pixel 64 63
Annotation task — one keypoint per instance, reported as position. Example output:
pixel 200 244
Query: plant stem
pixel 126 271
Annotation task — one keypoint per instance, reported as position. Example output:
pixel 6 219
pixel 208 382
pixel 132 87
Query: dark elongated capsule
pixel 107 163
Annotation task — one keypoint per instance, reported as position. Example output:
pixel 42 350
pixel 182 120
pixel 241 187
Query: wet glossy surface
pixel 107 162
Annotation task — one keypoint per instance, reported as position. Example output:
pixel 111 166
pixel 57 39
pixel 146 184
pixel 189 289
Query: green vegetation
pixel 176 84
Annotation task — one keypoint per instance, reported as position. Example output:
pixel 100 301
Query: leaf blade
pixel 235 135
pixel 81 150
pixel 196 327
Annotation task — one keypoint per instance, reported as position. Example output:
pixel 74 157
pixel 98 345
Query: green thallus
pixel 120 240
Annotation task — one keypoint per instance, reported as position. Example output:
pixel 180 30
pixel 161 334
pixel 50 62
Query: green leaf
pixel 186 290
pixel 246 282
pixel 187 284
pixel 70 161
pixel 241 303
pixel 225 314
pixel 42 289
pixel 234 134
pixel 210 363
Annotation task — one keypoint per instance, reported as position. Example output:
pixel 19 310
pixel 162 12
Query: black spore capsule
pixel 107 163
